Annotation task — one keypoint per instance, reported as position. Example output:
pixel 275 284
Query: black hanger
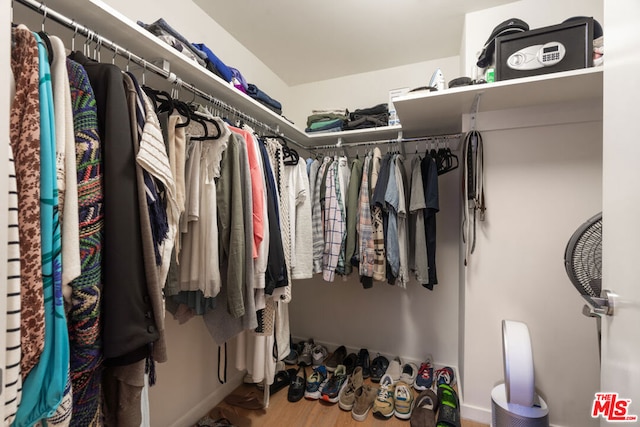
pixel 45 38
pixel 290 156
pixel 203 121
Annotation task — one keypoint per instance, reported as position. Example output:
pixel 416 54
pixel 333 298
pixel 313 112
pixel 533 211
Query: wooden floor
pixel 305 413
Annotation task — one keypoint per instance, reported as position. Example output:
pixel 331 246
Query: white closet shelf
pixel 356 135
pixel 433 113
pixel 107 22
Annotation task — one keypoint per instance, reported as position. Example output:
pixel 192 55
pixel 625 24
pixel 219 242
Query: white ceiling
pixel 306 41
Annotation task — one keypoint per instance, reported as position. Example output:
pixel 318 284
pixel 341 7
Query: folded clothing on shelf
pixel 219 67
pixel 323 117
pixel 363 118
pixel 166 33
pixel 337 111
pixel 263 98
pixel 327 125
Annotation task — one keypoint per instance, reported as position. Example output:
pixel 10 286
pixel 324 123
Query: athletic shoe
pixel 304 357
pixel 331 391
pixel 318 355
pixel 347 396
pixel 364 362
pixel 365 397
pixel 409 373
pixel 403 400
pixel 336 358
pixel 394 369
pixel 383 406
pixel 315 382
pixel 424 380
pixel 445 376
pixel 378 367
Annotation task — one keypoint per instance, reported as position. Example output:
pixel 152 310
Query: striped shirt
pixel 365 229
pixel 334 225
pixel 316 218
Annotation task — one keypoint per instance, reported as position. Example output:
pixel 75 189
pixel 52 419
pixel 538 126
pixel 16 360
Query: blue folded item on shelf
pixel 223 70
pixel 258 95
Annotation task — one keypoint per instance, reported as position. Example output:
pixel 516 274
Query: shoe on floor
pixel 378 367
pixel 365 362
pixel 409 373
pixel 347 396
pixel 394 369
pixel 383 406
pixel 424 410
pixel 298 385
pixel 331 391
pixel 318 355
pixel 350 362
pixel 304 358
pixel 336 358
pixel 444 376
pixel 364 399
pixel 424 380
pixel 403 400
pixel 315 382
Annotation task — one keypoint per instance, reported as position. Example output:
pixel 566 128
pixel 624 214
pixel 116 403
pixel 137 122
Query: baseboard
pixel 475 413
pixel 210 401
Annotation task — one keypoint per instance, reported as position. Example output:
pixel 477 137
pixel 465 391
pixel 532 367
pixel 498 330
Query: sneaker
pixel 350 362
pixel 331 391
pixel 315 382
pixel 364 362
pixel 444 376
pixel 304 357
pixel 378 367
pixel 394 369
pixel 409 373
pixel 337 357
pixel 318 354
pixel 292 357
pixel 403 400
pixel 347 396
pixel 365 397
pixel 383 406
pixel 424 380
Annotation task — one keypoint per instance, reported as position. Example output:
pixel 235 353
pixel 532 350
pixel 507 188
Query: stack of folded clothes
pixel 331 120
pixel 263 98
pixel 368 118
pixel 198 53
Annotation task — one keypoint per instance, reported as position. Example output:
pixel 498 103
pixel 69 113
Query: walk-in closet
pixel 200 307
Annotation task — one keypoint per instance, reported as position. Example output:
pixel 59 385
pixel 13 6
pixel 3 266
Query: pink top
pixel 256 188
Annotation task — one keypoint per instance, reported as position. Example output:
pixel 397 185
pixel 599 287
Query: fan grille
pixel 583 257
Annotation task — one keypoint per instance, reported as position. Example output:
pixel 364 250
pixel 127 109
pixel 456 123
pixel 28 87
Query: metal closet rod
pixel 54 15
pixel 436 138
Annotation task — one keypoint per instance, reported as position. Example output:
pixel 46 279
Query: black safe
pixel 562 47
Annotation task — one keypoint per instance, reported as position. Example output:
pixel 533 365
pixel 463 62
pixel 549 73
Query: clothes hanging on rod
pixel 112 113
pixel 382 203
pixel 101 41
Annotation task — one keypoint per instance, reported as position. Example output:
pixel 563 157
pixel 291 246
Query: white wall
pixel 365 89
pixel 536 13
pixel 187 384
pixel 542 182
